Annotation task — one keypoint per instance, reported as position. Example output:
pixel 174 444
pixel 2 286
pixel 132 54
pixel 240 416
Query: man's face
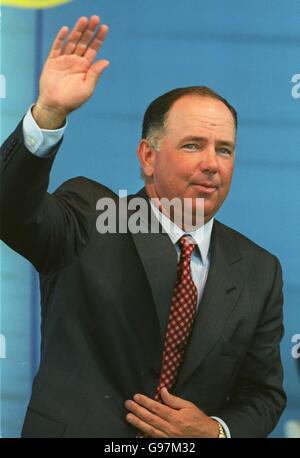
pixel 196 153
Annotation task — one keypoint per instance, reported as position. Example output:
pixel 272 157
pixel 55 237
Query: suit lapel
pixel 159 259
pixel 219 299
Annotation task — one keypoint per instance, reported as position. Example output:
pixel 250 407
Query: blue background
pixel 246 50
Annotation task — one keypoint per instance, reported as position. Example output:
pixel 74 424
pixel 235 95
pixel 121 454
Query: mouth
pixel 205 187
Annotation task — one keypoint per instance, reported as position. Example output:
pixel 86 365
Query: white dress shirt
pixel 200 259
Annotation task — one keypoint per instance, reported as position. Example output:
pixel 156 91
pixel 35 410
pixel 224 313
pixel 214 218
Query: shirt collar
pixel 201 235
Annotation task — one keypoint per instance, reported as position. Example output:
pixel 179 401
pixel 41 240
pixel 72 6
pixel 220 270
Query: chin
pixel 209 212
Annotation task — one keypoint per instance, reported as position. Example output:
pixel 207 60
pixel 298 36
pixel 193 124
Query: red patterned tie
pixel 181 318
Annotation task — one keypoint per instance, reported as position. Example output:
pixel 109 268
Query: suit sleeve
pixel 258 398
pixel 47 229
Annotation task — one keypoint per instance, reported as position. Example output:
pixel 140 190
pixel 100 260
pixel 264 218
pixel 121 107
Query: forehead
pixel 194 113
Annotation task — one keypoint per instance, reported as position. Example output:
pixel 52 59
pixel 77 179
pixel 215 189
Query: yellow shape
pixel 34 3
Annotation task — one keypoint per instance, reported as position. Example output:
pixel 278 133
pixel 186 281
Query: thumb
pixel 173 401
pixel 95 71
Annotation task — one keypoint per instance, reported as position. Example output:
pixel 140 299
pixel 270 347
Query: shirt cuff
pixel 225 427
pixel 40 141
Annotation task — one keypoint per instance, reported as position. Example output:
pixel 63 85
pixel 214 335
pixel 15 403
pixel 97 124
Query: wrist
pixel 213 429
pixel 221 432
pixel 48 118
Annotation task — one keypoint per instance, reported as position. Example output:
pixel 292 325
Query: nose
pixel 209 161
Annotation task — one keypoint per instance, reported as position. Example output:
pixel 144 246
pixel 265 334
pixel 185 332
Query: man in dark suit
pixel 110 300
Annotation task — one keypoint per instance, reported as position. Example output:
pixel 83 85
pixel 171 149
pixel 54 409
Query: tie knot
pixel 187 245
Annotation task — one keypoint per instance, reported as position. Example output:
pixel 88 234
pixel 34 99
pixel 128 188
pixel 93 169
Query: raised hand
pixel 70 73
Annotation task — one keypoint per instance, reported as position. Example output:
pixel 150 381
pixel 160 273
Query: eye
pixel 225 151
pixel 191 146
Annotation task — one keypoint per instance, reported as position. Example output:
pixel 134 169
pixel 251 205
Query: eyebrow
pixel 196 138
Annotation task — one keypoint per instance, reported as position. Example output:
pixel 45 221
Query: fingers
pixel 58 42
pixel 85 39
pixel 75 35
pixel 146 421
pixel 143 402
pixel 87 36
pixel 95 45
pixel 173 401
pixel 95 71
pixel 145 427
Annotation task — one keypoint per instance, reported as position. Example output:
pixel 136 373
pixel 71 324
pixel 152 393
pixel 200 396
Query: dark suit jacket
pixel 105 302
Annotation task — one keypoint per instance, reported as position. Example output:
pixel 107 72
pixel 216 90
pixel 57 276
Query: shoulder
pixel 256 265
pixel 246 246
pixel 84 188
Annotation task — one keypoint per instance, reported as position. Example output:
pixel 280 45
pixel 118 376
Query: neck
pixel 188 214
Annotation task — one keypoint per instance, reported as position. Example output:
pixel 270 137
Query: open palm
pixel 70 75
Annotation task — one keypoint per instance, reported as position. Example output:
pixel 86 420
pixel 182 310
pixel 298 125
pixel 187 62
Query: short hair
pixel 154 121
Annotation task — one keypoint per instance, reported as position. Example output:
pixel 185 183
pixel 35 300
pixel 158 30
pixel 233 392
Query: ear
pixel 146 155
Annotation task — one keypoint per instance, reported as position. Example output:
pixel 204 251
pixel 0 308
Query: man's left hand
pixel 176 417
